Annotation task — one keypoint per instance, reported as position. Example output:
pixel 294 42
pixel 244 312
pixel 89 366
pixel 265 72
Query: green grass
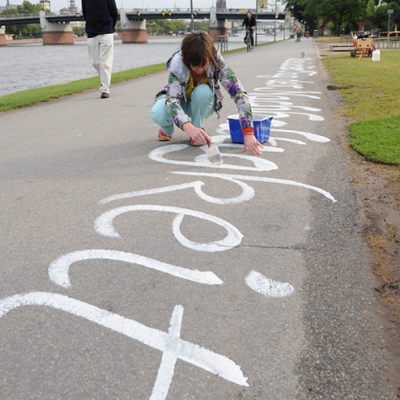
pixel 371 102
pixel 33 96
pixel 378 140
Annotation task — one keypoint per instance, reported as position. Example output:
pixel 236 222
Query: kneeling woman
pixel 193 90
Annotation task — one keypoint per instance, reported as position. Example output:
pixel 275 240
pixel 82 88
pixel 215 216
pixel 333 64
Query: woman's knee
pixel 202 93
pixel 159 113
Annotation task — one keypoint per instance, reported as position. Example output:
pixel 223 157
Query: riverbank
pixel 12 42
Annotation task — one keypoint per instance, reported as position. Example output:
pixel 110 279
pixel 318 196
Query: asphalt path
pixel 135 269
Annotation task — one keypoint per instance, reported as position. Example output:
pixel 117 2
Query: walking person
pixel 196 72
pixel 297 31
pixel 101 17
pixel 250 23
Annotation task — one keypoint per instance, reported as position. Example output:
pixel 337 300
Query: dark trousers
pixel 252 36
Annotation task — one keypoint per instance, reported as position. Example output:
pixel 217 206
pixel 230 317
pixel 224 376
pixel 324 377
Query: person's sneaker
pixel 162 137
pixel 105 95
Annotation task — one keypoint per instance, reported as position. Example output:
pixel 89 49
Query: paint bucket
pixel 262 126
pixel 376 55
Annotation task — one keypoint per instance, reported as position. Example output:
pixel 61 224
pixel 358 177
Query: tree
pixel 177 26
pixel 380 18
pixel 23 29
pixel 77 31
pixel 340 12
pixel 200 26
pixel 11 29
pixel 29 8
pixel 299 10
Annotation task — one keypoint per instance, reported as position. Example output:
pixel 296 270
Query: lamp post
pixel 275 23
pixel 191 14
pixel 255 33
pixel 390 11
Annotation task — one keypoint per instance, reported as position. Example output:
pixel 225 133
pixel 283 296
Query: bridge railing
pixel 19 15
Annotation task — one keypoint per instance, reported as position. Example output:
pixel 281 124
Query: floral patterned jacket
pixel 178 83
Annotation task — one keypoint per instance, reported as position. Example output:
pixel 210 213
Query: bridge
pixel 56 28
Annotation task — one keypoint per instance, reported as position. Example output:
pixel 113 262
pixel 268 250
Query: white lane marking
pixel 308 135
pixel 246 195
pixel 59 268
pixel 158 155
pixel 104 226
pixel 262 179
pixel 261 284
pixel 168 360
pixel 191 353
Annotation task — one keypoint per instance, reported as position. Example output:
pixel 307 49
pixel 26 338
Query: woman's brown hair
pixel 198 49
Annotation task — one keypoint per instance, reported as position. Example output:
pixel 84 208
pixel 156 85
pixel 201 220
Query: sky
pixel 56 5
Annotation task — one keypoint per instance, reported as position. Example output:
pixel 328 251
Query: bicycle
pixel 247 39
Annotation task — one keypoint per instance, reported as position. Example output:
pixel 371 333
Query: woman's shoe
pixel 162 137
pixel 194 143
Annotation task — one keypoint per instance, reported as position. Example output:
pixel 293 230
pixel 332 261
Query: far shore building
pixel 45 4
pixel 8 6
pixel 221 4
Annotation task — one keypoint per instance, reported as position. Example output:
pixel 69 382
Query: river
pixel 34 65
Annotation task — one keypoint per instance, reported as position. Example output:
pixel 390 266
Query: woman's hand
pixel 251 143
pixel 199 135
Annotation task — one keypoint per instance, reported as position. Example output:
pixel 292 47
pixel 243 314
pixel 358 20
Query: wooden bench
pixel 341 47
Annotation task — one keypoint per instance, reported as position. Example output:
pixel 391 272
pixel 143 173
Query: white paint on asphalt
pixel 286 140
pixel 262 179
pixel 288 77
pixel 285 95
pixel 158 155
pixel 246 195
pixel 267 165
pixel 214 363
pixel 261 284
pixel 168 360
pixel 308 135
pixel 59 268
pixel 104 226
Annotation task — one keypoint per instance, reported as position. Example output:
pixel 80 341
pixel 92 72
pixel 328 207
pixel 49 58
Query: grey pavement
pixel 107 299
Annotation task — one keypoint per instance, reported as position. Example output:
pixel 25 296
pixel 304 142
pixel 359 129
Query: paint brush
pixel 213 154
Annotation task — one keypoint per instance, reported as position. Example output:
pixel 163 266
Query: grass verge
pixel 371 103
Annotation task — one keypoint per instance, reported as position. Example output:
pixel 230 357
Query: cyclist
pixel 307 32
pixel 250 23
